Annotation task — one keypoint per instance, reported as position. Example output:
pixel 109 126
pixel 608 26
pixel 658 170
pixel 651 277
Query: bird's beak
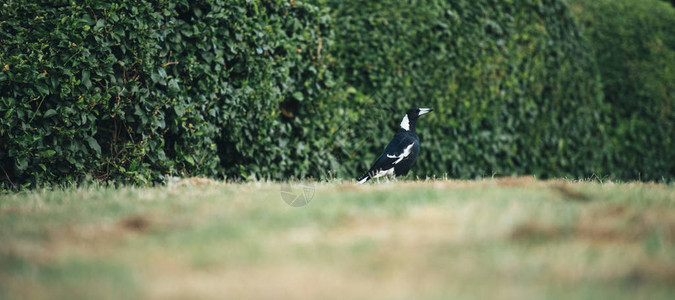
pixel 424 111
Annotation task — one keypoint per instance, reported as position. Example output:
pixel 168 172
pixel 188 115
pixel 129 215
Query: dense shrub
pixel 134 91
pixel 514 88
pixel 634 43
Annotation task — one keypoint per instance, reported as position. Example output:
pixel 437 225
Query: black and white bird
pixel 401 153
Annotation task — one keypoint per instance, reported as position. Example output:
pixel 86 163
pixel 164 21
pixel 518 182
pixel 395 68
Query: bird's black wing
pixel 399 150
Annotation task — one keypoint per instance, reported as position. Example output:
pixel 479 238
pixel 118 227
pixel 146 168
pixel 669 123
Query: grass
pixel 513 238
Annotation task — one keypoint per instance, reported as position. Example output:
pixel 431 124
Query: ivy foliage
pixel 140 90
pixel 137 90
pixel 634 44
pixel 514 88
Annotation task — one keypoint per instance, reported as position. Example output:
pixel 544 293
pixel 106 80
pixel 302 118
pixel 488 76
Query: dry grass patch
pixel 514 237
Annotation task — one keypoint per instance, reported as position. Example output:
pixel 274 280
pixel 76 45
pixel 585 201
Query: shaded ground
pixel 513 238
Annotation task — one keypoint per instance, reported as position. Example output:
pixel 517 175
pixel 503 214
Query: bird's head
pixel 410 119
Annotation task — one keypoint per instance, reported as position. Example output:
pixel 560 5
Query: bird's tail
pixel 363 179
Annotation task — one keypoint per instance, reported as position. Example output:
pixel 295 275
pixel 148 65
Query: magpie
pixel 401 153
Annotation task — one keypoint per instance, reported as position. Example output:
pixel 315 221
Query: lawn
pixel 513 238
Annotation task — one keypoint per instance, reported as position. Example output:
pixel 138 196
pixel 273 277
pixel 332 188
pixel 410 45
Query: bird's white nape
pixel 424 111
pixel 405 124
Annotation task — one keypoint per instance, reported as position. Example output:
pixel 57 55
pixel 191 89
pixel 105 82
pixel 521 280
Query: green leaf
pixel 85 79
pixel 49 113
pixel 93 144
pixel 134 165
pixel 42 88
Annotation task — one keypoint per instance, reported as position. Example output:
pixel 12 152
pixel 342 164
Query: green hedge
pixel 514 88
pixel 634 43
pixel 138 90
pixel 134 92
